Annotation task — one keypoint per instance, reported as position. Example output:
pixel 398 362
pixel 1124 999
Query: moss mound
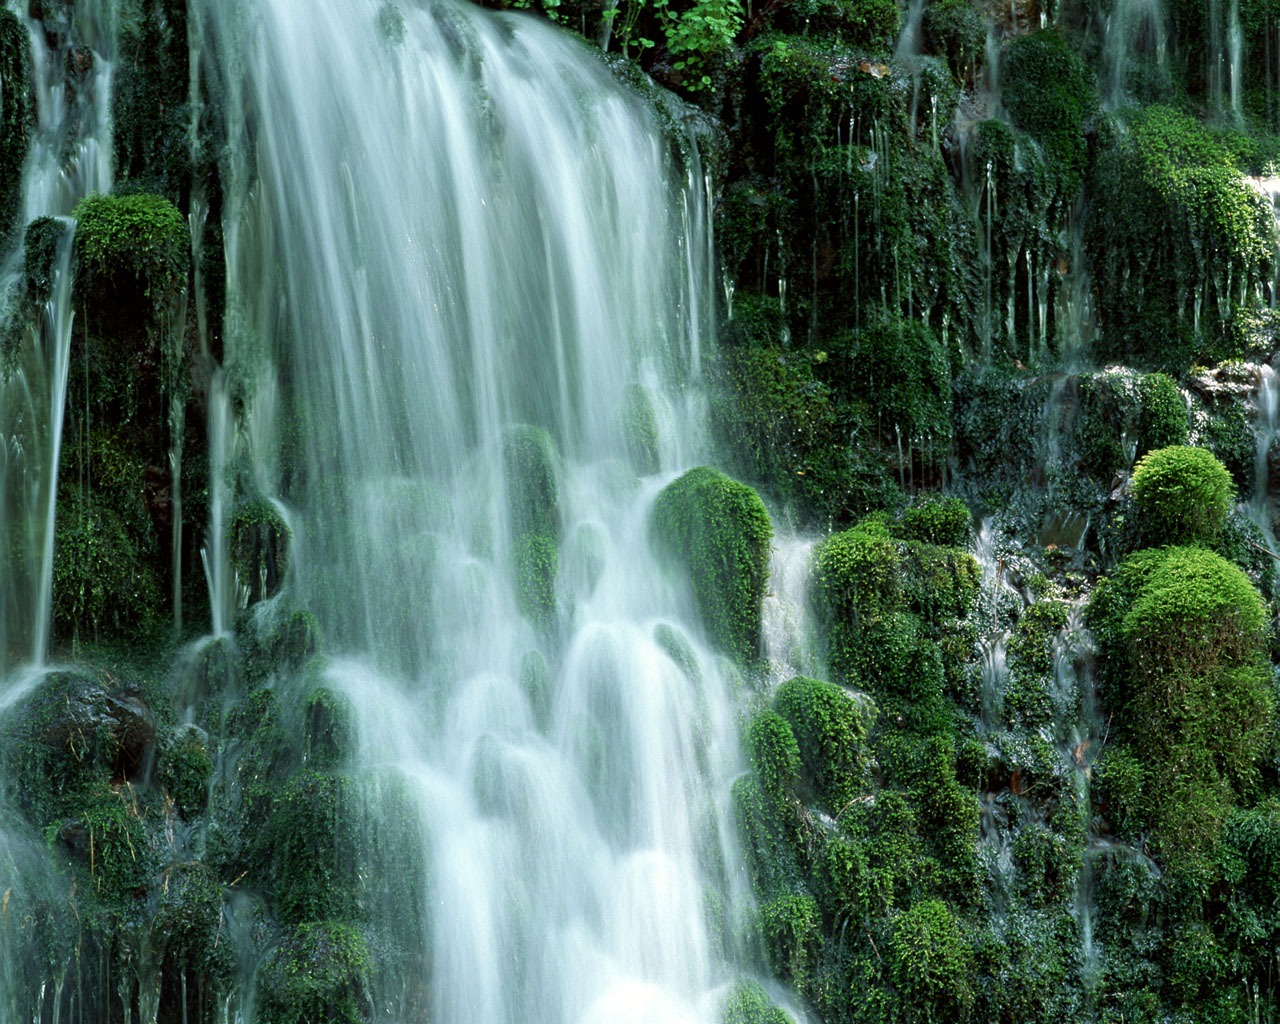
pixel 1182 496
pixel 719 530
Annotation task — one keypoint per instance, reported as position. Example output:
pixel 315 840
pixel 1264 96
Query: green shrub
pixel 719 530
pixel 1181 495
pixel 831 727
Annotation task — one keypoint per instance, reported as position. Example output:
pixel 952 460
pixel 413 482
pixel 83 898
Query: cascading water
pixel 69 157
pixel 455 275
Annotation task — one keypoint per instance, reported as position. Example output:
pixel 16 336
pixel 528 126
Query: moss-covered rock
pixel 132 240
pixel 748 1003
pixel 314 847
pixel 831 727
pixel 318 975
pixel 931 963
pixel 1182 496
pixel 719 531
pixel 260 547
pixel 184 768
pixel 17 116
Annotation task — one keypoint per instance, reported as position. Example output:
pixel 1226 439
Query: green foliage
pixel 749 1004
pixel 17 115
pixel 184 769
pixel 314 846
pixel 1051 93
pixel 1181 631
pixel 791 926
pixel 696 34
pixel 942 521
pixel 1175 237
pixel 775 755
pixel 931 963
pixel 133 239
pixel 187 928
pixel 318 975
pixel 1028 702
pixel 859 571
pixel 719 531
pixel 1181 495
pixel 260 547
pixel 831 727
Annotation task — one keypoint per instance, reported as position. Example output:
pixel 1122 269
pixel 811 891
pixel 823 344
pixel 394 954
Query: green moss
pixel 1181 631
pixel 775 755
pixel 1028 700
pixel 186 931
pixel 133 239
pixel 260 547
pixel 1181 495
pixel 39 256
pixel 791 926
pixel 17 115
pixel 859 572
pixel 1051 93
pixel 329 729
pixel 183 771
pixel 1175 238
pixel 533 490
pixel 831 727
pixel 109 844
pixel 931 963
pixel 536 565
pixel 901 368
pixel 642 431
pixel 318 975
pixel 719 530
pixel 749 1004
pixel 1162 413
pixel 955 30
pixel 942 521
pixel 314 848
pixel 104 584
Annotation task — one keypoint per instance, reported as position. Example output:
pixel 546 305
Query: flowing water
pixel 446 227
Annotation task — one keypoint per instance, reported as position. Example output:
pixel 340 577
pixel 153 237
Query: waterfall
pixel 70 156
pixel 460 256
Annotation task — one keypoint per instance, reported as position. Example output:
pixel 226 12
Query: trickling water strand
pixel 412 228
pixel 1265 427
pixel 788 626
pixel 69 156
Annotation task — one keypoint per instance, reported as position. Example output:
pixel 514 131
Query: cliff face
pixel 995 337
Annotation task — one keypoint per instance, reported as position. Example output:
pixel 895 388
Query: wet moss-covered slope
pixel 997 333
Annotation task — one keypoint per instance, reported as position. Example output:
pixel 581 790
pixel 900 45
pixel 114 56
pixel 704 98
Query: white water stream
pixel 441 224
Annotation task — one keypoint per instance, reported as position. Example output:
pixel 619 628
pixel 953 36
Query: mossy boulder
pixel 183 769
pixel 319 974
pixel 931 963
pixel 831 728
pixel 946 522
pixel 1182 633
pixel 1181 496
pixel 260 539
pixel 774 754
pixel 719 531
pixel 531 463
pixel 314 847
pixel 132 241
